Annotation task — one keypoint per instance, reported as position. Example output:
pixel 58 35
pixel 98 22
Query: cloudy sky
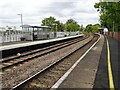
pixel 34 11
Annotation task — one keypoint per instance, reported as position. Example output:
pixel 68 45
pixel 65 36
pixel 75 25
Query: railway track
pixel 25 57
pixel 46 77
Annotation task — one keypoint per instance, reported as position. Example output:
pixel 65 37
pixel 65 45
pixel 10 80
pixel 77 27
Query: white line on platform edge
pixel 58 83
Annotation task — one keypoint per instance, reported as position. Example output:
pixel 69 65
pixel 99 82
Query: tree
pixel 95 28
pixel 60 26
pixel 71 21
pixel 110 14
pixel 92 28
pixel 50 21
pixel 53 23
pixel 71 25
pixel 88 28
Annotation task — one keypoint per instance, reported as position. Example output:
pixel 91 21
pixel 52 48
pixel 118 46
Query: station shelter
pixel 101 30
pixel 36 32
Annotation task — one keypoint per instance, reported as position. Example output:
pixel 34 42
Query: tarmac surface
pixel 102 79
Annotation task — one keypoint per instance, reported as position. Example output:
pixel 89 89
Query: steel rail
pixel 44 53
pixel 44 69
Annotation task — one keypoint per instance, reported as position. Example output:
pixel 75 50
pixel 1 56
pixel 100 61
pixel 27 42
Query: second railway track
pixel 12 61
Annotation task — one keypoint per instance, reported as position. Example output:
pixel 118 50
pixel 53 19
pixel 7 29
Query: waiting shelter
pixel 36 32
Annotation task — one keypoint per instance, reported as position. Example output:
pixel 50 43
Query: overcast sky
pixel 34 11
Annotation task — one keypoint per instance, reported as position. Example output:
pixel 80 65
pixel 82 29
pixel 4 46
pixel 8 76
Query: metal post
pixel 21 23
pixel 21 20
pixel 56 31
pixel 9 34
pixel 33 33
pixel 15 33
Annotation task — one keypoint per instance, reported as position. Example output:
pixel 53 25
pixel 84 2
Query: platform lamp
pixel 21 17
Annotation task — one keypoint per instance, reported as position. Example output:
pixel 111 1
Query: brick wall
pixel 115 35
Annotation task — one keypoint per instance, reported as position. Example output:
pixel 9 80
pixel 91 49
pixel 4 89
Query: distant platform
pixel 12 45
pixel 19 47
pixel 13 42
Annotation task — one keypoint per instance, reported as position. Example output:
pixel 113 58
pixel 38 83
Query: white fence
pixel 10 36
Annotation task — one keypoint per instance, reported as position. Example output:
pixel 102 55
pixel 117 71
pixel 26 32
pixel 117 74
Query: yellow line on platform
pixel 111 83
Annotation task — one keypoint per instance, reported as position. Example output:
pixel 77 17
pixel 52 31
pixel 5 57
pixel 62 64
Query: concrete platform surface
pixel 13 42
pixel 83 75
pixel 20 44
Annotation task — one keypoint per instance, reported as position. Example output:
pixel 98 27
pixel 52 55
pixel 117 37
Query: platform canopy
pixel 101 30
pixel 31 26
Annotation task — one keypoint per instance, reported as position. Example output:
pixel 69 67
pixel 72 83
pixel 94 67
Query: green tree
pixel 95 28
pixel 92 28
pixel 71 21
pixel 88 28
pixel 71 25
pixel 60 26
pixel 53 23
pixel 109 14
pixel 48 21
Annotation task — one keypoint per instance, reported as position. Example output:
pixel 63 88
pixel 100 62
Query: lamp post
pixel 21 22
pixel 56 31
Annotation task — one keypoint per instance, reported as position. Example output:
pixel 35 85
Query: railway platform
pixel 12 49
pixel 93 70
pixel 13 42
pixel 108 70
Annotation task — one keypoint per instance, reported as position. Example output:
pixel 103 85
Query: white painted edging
pixel 57 84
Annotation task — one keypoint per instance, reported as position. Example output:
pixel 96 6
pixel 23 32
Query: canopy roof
pixel 30 26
